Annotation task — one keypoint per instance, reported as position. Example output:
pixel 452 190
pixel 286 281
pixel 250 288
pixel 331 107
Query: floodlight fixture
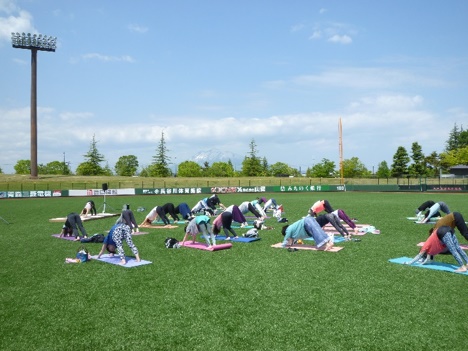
pixel 35 43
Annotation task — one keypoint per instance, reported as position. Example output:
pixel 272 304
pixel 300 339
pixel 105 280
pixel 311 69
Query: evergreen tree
pixel 159 167
pixel 400 162
pixel 418 168
pixel 452 142
pixel 92 165
pixel 252 166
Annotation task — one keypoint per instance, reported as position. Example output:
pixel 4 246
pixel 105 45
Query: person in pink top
pixel 224 220
pixel 319 206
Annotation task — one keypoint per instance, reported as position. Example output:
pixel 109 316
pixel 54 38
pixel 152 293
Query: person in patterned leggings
pixel 123 232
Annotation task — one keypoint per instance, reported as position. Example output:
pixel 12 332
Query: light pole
pixel 34 43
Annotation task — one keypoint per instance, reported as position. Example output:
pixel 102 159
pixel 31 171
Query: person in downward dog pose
pixel 155 213
pixel 224 220
pixel 440 240
pixel 305 228
pixel 200 224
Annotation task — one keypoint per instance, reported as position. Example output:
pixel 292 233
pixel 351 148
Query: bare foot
pixel 123 262
pixel 461 269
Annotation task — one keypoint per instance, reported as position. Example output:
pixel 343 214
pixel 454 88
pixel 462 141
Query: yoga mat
pixel 136 233
pixel 463 246
pixel 337 239
pixel 69 238
pixel 171 221
pixel 240 239
pixel 439 266
pixel 85 218
pixel 159 226
pixel 140 233
pixel 308 247
pixel 202 246
pixel 433 219
pixel 131 261
pixel 335 232
pixel 239 227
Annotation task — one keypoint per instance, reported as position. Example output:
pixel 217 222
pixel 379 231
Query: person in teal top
pixel 305 228
pixel 200 224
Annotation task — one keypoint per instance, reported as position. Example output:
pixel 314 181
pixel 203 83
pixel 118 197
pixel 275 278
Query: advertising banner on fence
pixel 100 192
pixel 30 193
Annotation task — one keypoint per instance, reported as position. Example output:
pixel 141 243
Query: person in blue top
pixel 108 244
pixel 305 228
pixel 200 224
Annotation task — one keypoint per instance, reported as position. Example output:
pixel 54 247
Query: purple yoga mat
pixel 69 238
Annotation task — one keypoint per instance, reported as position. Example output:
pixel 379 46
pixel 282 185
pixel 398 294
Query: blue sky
pixel 217 74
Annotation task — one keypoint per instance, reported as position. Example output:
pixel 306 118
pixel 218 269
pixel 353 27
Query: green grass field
pixel 251 297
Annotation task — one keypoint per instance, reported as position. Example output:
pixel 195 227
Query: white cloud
pixel 75 116
pixel 297 27
pixel 316 35
pixel 137 28
pixel 106 58
pixel 19 21
pixel 322 11
pixel 341 39
pixel 366 78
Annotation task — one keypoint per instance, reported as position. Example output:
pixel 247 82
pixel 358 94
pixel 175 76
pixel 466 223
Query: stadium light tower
pixel 34 43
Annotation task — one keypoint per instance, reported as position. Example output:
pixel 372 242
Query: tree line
pixel 415 164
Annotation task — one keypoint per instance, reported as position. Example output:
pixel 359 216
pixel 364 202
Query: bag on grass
pixel 82 254
pixel 171 243
pixel 96 238
pixel 251 233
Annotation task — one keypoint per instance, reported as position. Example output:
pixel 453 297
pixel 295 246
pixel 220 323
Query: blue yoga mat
pixel 439 266
pixel 240 239
pixel 131 262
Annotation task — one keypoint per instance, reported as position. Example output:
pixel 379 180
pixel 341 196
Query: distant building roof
pixel 460 170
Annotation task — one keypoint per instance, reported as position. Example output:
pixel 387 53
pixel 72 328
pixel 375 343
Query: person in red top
pixel 446 236
pixel 433 246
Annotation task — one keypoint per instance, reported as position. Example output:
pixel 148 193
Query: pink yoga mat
pixel 309 247
pixel 202 246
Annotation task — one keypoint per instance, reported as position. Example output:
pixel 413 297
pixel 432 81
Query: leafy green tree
pixel 252 166
pixel 382 170
pixel 279 169
pixel 126 166
pixel 400 162
pixel 453 158
pixel 324 169
pixel 55 167
pixel 221 169
pixel 418 168
pixel 354 168
pixel 189 169
pixel 160 166
pixel 1 171
pixel 23 167
pixel 92 165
